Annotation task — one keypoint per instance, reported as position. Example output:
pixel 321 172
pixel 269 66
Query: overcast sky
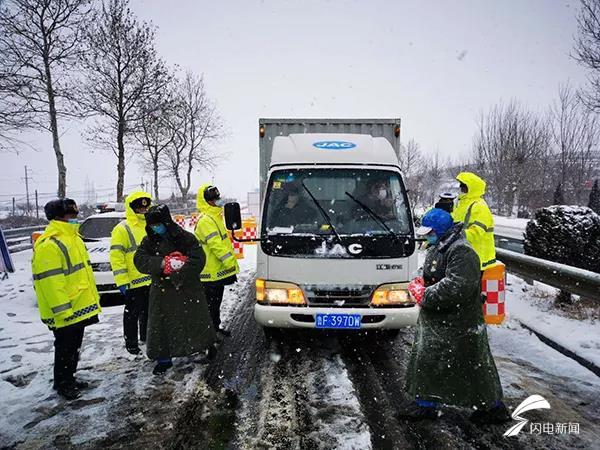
pixel 434 64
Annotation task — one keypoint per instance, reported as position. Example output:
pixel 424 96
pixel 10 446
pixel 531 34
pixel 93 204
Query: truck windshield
pixel 291 212
pixel 98 227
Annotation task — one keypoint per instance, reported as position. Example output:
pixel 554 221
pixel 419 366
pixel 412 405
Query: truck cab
pixel 337 246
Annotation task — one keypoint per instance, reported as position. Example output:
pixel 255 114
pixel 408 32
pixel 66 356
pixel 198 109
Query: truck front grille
pixel 339 297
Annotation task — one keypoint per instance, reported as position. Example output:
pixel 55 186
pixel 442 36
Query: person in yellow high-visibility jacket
pixel 134 286
pixel 221 264
pixel 473 211
pixel 66 291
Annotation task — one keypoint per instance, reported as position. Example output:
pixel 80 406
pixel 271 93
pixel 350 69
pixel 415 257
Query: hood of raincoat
pixel 130 214
pixel 475 184
pixel 203 206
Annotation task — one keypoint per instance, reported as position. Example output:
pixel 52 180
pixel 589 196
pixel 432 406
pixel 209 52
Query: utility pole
pixel 37 206
pixel 27 190
pixel 13 207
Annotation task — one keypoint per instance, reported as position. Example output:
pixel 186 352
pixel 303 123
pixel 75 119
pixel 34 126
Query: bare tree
pixel 411 161
pixel 39 40
pixel 575 134
pixel 157 132
pixel 123 72
pixel 197 125
pixel 587 49
pixel 511 148
pixel 410 157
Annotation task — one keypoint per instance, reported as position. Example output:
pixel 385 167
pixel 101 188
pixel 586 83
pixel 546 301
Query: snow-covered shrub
pixel 565 234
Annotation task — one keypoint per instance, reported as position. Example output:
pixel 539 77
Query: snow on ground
pixel 124 392
pixel 582 337
pixel 333 400
pixel 125 395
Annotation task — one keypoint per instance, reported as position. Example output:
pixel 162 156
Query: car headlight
pixel 278 293
pixel 101 267
pixel 393 294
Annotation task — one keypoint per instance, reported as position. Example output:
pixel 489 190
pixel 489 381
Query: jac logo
pixel 334 145
pixel 355 249
pixel 389 266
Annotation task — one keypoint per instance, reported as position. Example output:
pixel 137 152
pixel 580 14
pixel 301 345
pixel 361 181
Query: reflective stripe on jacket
pixel 212 234
pixel 62 276
pixel 473 211
pixel 124 241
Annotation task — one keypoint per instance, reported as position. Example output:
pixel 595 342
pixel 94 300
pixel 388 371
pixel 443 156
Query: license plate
pixel 338 321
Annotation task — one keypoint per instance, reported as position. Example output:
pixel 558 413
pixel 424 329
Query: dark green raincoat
pixel 178 320
pixel 451 360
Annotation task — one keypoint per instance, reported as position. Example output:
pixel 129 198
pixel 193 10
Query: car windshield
pixel 356 201
pixel 98 227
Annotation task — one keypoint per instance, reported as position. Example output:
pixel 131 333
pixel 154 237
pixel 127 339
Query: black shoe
pixel 496 415
pixel 211 352
pixel 162 367
pixel 68 391
pixel 414 412
pixel 223 332
pixel 134 350
pixel 80 384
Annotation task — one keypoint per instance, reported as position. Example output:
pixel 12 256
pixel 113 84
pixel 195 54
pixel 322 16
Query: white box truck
pixel 336 246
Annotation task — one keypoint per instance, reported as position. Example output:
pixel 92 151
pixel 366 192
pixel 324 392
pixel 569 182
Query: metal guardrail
pixel 21 232
pixel 18 239
pixel 572 279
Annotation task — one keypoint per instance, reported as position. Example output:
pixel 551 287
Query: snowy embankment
pixel 582 336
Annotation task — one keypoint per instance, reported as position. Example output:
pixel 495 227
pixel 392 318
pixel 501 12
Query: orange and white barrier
pixel 248 231
pixel 493 284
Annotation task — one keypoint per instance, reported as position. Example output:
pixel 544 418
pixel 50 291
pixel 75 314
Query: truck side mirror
pixel 233 216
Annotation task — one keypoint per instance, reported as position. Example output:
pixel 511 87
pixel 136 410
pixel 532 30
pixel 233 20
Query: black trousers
pixel 135 315
pixel 214 297
pixel 67 343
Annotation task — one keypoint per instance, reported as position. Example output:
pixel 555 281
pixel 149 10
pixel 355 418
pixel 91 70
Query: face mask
pixel 220 203
pixel 432 239
pixel 73 221
pixel 382 194
pixel 159 228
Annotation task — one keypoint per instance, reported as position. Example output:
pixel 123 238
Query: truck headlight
pixel 278 293
pixel 393 294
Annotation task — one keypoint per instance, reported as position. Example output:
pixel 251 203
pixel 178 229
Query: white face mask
pixel 382 194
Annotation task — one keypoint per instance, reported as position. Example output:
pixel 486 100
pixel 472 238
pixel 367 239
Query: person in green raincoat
pixel 179 323
pixel 451 362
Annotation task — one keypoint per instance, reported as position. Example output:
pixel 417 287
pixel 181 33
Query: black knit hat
pixel 158 214
pixel 60 208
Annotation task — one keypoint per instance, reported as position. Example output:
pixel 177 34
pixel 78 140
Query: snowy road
pixel 309 390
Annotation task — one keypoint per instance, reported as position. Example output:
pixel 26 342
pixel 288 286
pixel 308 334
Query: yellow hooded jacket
pixel 212 234
pixel 474 212
pixel 124 241
pixel 62 276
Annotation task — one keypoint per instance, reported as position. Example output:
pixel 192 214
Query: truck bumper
pixel 105 283
pixel 304 317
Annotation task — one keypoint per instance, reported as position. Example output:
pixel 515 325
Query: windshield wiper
pixel 374 216
pixel 325 215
